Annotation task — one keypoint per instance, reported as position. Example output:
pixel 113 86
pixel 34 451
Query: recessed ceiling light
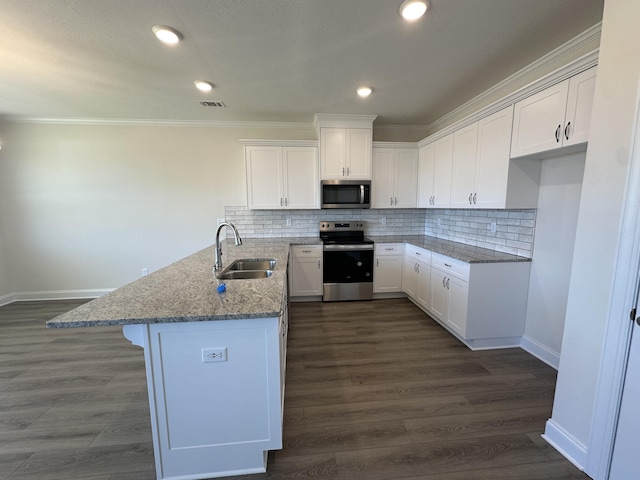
pixel 166 34
pixel 413 9
pixel 203 86
pixel 364 92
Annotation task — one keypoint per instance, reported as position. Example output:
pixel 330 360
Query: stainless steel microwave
pixel 345 193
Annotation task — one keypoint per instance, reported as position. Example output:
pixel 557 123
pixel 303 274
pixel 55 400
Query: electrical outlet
pixel 145 272
pixel 214 355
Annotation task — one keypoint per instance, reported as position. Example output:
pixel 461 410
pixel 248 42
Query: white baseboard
pixel 542 352
pixel 566 444
pixel 53 295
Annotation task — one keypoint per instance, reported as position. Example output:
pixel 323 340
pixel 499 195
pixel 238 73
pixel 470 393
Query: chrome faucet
pixel 218 264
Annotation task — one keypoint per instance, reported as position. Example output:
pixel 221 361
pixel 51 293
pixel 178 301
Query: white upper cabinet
pixel 345 146
pixel 483 175
pixel 463 184
pixel 557 116
pixel 435 163
pixel 394 183
pixel 282 177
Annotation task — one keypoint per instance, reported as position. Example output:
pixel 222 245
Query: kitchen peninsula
pixel 214 361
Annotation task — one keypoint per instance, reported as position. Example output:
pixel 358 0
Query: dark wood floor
pixel 375 390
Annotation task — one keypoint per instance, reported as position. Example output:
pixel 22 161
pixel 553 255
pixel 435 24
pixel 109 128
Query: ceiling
pixel 270 60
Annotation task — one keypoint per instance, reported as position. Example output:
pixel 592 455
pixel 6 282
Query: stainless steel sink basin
pixel 244 274
pixel 253 264
pixel 248 268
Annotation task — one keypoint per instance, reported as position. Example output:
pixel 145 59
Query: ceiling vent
pixel 213 104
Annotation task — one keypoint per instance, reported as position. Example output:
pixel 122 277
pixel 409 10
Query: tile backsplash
pixel 514 229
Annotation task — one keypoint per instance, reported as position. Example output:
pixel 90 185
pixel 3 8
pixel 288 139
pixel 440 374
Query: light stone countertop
pixel 185 291
pixel 459 251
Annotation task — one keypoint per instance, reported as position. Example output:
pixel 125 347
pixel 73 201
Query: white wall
pixel 597 236
pixel 557 215
pixel 88 206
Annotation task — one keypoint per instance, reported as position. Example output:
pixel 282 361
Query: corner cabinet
pixel 281 175
pixel 555 117
pixel 435 162
pixel 394 183
pixel 483 175
pixel 345 146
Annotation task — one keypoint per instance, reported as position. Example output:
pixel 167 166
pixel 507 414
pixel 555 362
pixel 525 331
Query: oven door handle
pixel 347 247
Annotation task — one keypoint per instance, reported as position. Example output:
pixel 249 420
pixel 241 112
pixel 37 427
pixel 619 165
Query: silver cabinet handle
pixel 348 173
pixel 448 283
pixel 306 251
pixel 343 172
pixel 318 264
pixel 396 201
pixel 558 133
pixel 377 262
pixel 391 201
pixel 470 196
pixel 447 265
pixel 417 267
pixel 566 131
pixel 443 284
pixel 286 202
pixel 281 203
pixel 475 195
pixel 388 249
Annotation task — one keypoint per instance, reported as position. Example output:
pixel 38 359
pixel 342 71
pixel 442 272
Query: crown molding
pixel 409 145
pixel 443 125
pixel 156 123
pixel 278 143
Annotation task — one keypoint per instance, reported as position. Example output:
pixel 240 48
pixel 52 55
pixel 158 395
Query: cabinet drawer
pixel 307 251
pixel 388 248
pixel 455 268
pixel 417 252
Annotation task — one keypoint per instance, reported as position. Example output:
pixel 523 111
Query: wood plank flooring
pixel 375 390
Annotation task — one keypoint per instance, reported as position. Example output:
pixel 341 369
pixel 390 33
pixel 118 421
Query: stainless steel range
pixel 347 261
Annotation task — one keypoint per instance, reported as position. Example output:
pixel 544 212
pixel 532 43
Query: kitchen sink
pixel 253 264
pixel 244 274
pixel 248 268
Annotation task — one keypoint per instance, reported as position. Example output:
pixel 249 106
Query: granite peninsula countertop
pixel 185 291
pixel 459 251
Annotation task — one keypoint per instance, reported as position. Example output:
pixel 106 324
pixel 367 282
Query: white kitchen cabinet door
pixel 465 142
pixel 358 153
pixel 442 169
pixel 264 177
pixel 426 164
pixel 382 184
pixel 410 277
pixel 439 299
pixel 406 184
pixel 332 153
pixel 300 170
pixel 387 276
pixel 305 274
pixel 579 103
pixel 538 121
pixel 423 296
pixel 457 292
pixel 492 161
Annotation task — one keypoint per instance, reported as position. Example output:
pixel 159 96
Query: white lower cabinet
pixel 416 278
pixel 483 304
pixel 387 270
pixel 305 271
